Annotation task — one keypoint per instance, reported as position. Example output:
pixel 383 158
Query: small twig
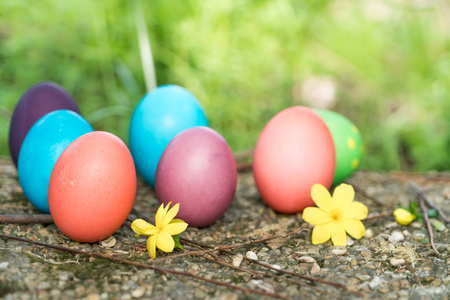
pixel 26 219
pixel 256 274
pixel 427 221
pixel 427 199
pixel 243 166
pixel 366 195
pixel 309 278
pixel 145 266
pixel 222 248
pixel 51 261
pixel 380 215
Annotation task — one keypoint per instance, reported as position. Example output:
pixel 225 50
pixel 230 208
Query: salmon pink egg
pixel 294 151
pixel 92 187
pixel 197 170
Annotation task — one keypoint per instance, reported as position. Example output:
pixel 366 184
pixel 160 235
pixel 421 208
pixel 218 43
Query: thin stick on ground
pixel 309 278
pixel 226 247
pixel 257 274
pixel 427 221
pixel 26 219
pixel 430 202
pixel 145 266
pixel 380 215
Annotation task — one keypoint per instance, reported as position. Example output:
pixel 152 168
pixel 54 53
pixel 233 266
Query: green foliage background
pixel 245 61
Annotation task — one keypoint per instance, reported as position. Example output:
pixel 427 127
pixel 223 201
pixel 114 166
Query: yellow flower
pixel 161 234
pixel 403 216
pixel 335 216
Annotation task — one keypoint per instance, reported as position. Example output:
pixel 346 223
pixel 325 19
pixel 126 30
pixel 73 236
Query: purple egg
pixel 197 170
pixel 38 100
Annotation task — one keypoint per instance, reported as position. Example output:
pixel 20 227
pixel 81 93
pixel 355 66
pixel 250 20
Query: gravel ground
pixel 390 262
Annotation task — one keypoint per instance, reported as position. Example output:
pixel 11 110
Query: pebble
pixel 109 242
pixel 406 233
pixel 315 269
pixel 251 255
pixel 350 241
pixel 237 260
pixel 416 225
pixel 391 225
pixel 362 277
pixel 368 234
pixel 93 297
pixel 306 259
pixel 139 292
pixel 339 250
pixel 366 253
pixel 4 265
pixel 397 262
pixel 418 235
pixel 396 237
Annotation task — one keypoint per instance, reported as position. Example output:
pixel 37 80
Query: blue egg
pixel 41 148
pixel 159 116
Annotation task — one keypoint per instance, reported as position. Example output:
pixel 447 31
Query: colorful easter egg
pixel 40 150
pixel 294 151
pixel 197 170
pixel 92 187
pixel 37 101
pixel 158 117
pixel 348 144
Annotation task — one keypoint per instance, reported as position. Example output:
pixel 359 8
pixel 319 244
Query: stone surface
pixel 35 272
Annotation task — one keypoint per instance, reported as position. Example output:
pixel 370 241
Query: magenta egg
pixel 197 170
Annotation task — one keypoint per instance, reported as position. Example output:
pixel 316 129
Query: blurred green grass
pixel 386 65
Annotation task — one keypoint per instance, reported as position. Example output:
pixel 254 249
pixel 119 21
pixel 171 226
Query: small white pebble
pixel 339 250
pixel 306 259
pixel 278 267
pixel 416 224
pixel 251 255
pixel 406 233
pixel 396 237
pixel 109 242
pixel 315 269
pixel 138 292
pixel 350 241
pixel 397 262
pixel 391 225
pixel 4 265
pixel 237 260
pixel 368 234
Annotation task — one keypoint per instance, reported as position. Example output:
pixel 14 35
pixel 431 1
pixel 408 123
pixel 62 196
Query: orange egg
pixel 92 187
pixel 294 151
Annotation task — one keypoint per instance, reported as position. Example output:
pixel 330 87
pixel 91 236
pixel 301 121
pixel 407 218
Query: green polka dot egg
pixel 347 142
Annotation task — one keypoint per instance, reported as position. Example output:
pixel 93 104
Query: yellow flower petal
pixel 171 214
pixel 403 216
pixel 315 216
pixel 159 217
pixel 321 233
pixel 356 210
pixel 343 195
pixel 338 235
pixel 175 227
pixel 151 245
pixel 142 227
pixel 165 241
pixel 321 197
pixel 354 227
